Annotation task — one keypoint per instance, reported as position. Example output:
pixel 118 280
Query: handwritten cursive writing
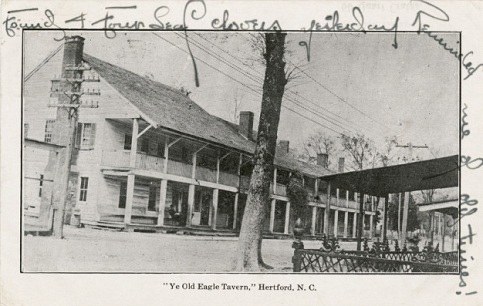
pixel 463 268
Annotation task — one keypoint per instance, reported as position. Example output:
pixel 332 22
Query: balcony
pixel 120 160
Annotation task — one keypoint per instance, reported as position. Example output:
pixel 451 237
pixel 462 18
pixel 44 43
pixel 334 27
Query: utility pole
pixel 67 101
pixel 407 195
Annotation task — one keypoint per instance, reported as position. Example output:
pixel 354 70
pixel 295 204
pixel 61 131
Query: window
pixel 145 145
pixel 85 136
pixel 83 189
pixel 49 128
pixel 152 198
pixel 25 130
pixel 41 183
pixel 122 195
pixel 127 142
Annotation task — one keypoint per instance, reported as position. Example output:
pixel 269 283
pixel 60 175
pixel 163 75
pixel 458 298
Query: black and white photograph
pixel 240 152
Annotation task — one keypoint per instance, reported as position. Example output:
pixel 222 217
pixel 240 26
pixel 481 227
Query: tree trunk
pixel 250 241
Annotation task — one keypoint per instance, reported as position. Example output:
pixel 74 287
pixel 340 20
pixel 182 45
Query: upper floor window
pixel 86 135
pixel 160 152
pixel 49 128
pixel 83 189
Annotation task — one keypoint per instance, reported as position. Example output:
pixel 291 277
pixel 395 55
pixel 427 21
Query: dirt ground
pixel 91 250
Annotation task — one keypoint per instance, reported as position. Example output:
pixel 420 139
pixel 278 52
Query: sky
pixel 353 83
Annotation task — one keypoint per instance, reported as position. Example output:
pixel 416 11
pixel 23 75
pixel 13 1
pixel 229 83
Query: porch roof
pixel 428 174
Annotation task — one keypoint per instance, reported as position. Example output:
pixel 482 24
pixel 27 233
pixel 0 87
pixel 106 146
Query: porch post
pixel 272 215
pixel 314 220
pixel 191 192
pixel 191 201
pixel 346 221
pixel 129 198
pixel 354 226
pixel 384 222
pixel 361 220
pixel 162 201
pixel 336 222
pixel 287 218
pixel 274 189
pixel 215 208
pixel 327 212
pixel 405 217
pixel 442 233
pixel 235 210
pixel 131 177
pixel 371 219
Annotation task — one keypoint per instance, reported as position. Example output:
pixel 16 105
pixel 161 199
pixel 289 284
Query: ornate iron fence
pixel 322 262
pixel 377 259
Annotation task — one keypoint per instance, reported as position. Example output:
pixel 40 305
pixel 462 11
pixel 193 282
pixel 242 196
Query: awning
pixel 447 207
pixel 422 175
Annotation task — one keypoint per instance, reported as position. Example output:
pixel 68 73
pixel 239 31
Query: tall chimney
pixel 73 48
pixel 246 124
pixel 323 159
pixel 341 164
pixel 284 146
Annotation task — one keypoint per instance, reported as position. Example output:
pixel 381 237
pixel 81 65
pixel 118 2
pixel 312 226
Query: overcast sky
pixel 354 82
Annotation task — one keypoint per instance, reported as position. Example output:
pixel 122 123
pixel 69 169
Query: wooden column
pixel 235 210
pixel 274 189
pixel 314 220
pixel 354 226
pixel 371 220
pixel 287 218
pixel 162 201
pixel 272 215
pixel 215 208
pixel 346 221
pixel 327 212
pixel 384 221
pixel 443 229
pixel 131 177
pixel 360 221
pixel 336 223
pixel 405 217
pixel 191 202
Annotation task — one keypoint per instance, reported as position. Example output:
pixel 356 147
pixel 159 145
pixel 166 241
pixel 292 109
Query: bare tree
pixel 317 143
pixel 361 150
pixel 249 254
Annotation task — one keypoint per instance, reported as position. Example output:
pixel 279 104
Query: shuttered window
pixel 85 136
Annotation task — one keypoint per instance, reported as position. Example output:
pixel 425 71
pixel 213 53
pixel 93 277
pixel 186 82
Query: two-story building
pixel 147 157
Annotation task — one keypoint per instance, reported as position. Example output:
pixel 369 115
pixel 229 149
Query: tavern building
pixel 147 157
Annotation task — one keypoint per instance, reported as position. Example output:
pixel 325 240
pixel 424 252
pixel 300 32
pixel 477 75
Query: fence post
pixel 297 245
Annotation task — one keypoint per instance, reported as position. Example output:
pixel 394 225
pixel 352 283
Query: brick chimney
pixel 246 124
pixel 284 146
pixel 73 49
pixel 341 164
pixel 323 159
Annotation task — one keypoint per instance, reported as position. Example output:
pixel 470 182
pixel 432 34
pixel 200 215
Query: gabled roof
pixel 173 110
pixel 168 107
